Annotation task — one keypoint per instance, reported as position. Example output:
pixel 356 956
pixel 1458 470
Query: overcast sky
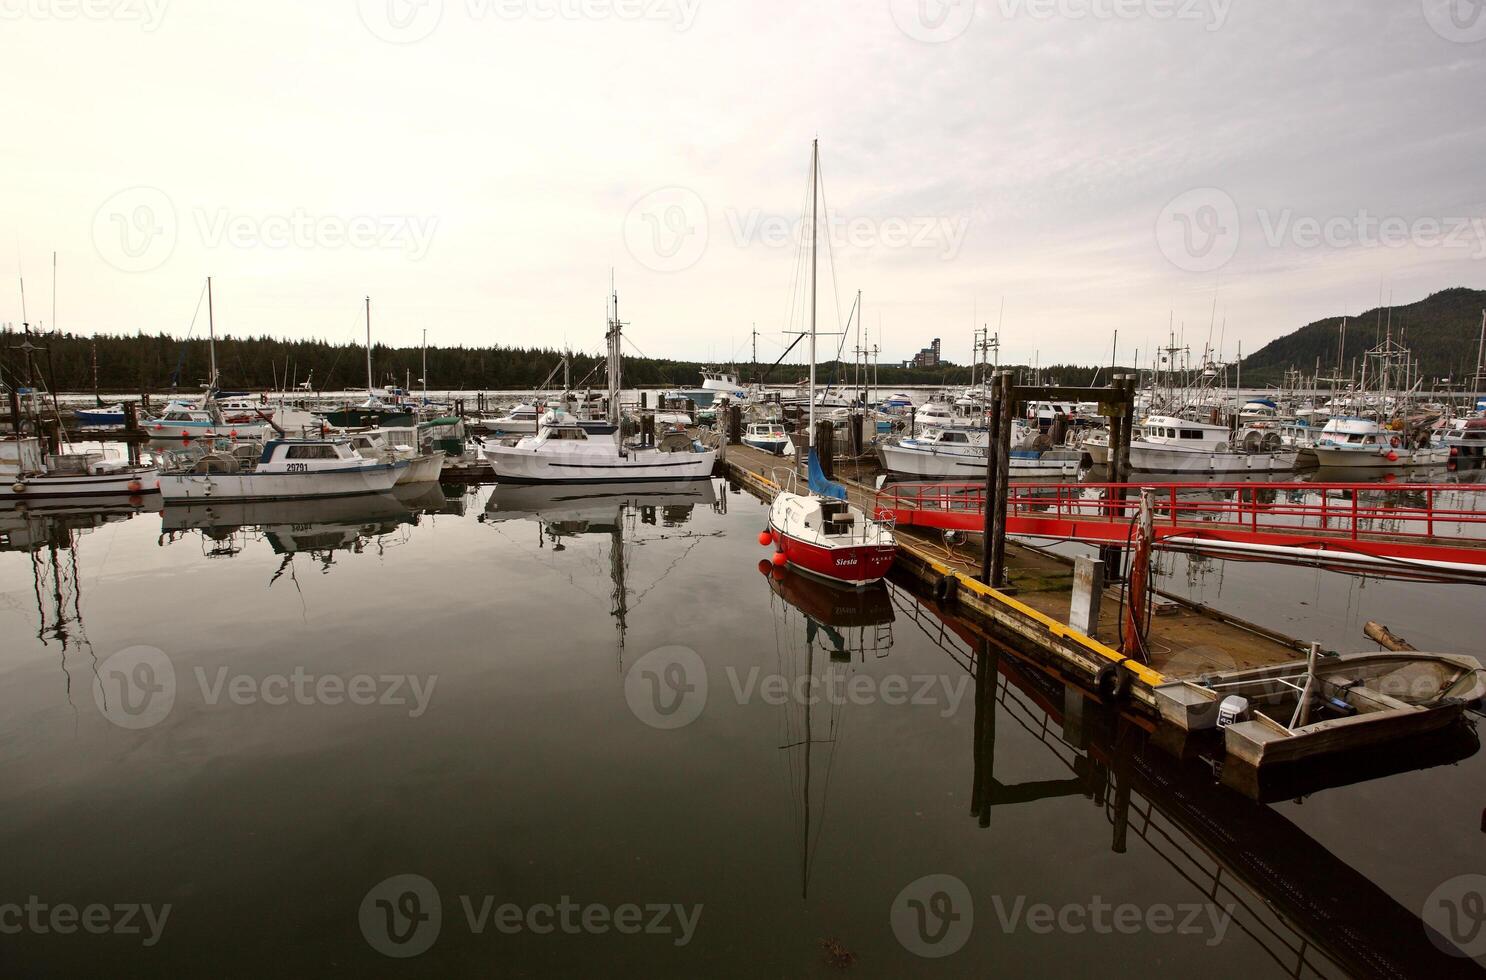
pixel 479 166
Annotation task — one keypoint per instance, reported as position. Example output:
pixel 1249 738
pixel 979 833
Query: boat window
pixel 1191 433
pixel 566 433
pixel 319 451
pixel 953 437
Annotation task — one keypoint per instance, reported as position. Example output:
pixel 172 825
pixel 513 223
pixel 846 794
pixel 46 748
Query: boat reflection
pixel 1310 911
pixel 49 532
pixel 317 527
pixel 564 513
pixel 819 631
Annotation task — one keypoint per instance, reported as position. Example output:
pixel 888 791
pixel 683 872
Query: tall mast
pixel 369 386
pixel 1480 350
pixel 211 329
pixel 425 366
pixel 814 185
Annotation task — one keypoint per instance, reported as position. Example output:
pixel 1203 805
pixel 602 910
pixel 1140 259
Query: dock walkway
pixel 1186 640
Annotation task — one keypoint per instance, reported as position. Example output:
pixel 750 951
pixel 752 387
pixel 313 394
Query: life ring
pixel 1394 442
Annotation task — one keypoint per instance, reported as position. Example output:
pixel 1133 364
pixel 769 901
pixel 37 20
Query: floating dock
pixel 1185 641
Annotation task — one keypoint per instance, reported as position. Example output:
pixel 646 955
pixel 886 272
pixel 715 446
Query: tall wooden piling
pixel 825 447
pixel 993 459
pixel 1003 480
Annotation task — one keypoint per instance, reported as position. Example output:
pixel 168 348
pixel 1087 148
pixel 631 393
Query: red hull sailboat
pixel 821 532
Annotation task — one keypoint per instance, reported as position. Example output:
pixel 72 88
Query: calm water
pixel 578 749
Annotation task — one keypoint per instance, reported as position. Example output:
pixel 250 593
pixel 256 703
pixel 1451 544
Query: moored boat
pixel 29 473
pixel 285 469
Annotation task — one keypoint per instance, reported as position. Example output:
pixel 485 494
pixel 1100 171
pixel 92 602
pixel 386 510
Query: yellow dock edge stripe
pixel 1054 627
pixel 1058 629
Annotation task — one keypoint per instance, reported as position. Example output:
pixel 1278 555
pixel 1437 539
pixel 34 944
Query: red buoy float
pixel 1392 456
pixel 779 559
pixel 766 538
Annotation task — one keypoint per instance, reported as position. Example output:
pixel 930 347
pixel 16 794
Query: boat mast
pixel 814 186
pixel 211 330
pixel 369 386
pixel 1480 350
pixel 614 355
pixel 425 366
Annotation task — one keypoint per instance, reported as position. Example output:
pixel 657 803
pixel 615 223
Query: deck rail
pixel 1354 510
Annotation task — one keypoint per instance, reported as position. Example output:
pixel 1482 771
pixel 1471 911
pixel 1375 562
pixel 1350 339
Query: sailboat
pixel 821 532
pixel 373 411
pixel 182 422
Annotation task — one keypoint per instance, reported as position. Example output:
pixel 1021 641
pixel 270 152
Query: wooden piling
pixel 1003 481
pixel 825 446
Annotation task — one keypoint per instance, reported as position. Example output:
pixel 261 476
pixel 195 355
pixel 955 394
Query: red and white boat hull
pixel 856 559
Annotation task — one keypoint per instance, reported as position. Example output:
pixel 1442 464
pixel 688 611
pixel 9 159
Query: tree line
pixel 162 363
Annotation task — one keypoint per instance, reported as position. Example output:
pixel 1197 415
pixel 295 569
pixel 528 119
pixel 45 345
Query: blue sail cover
pixel 818 482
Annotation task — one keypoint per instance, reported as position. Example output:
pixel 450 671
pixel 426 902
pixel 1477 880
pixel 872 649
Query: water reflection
pixel 49 532
pixel 1308 910
pixel 622 512
pixel 320 529
pixel 819 632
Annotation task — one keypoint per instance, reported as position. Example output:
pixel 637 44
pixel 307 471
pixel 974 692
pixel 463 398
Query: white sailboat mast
pixel 369 387
pixel 814 228
pixel 211 333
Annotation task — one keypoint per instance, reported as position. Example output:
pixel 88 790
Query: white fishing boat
pixel 949 453
pixel 27 472
pixel 394 445
pixel 769 437
pixel 285 469
pixel 1095 443
pixel 820 532
pixel 1174 445
pixel 1355 443
pixel 521 420
pixel 563 451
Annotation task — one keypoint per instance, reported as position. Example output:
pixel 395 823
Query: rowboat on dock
pixel 1324 705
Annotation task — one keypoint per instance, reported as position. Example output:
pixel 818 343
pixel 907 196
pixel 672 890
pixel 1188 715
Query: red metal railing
pixel 1380 513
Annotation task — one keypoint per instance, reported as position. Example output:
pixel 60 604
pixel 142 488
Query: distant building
pixel 926 358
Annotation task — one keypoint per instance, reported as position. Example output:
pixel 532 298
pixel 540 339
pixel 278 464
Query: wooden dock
pixel 1185 640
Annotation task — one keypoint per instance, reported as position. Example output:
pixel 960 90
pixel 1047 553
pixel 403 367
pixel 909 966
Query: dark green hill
pixel 1442 330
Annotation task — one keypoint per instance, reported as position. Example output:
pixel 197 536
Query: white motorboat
pixel 1466 436
pixel 393 445
pixel 564 451
pixel 769 437
pixel 1095 443
pixel 29 473
pixel 521 420
pixel 286 469
pixel 1348 443
pixel 182 422
pixel 1175 445
pixel 948 453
